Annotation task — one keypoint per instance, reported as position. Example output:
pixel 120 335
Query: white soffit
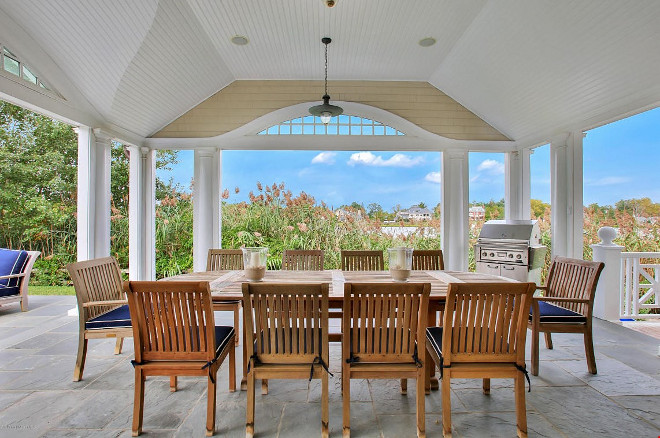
pixel 534 66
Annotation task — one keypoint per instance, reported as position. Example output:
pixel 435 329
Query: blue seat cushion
pixel 116 318
pixel 223 335
pixel 434 339
pixel 552 313
pixel 11 262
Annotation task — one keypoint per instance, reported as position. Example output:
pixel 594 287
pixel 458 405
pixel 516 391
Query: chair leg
pixel 264 386
pixel 420 394
pixel 237 321
pixel 535 350
pixel 548 340
pixel 173 383
pixel 589 349
pixel 138 402
pixel 80 358
pixel 446 404
pixel 346 401
pixel 429 368
pixel 404 386
pixel 249 409
pixel 232 370
pixel 325 430
pixel 521 409
pixel 118 345
pixel 486 386
pixel 210 404
pixel 24 303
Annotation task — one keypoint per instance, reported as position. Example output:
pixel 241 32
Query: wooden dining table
pixel 227 285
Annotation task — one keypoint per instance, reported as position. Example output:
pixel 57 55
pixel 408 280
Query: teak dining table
pixel 226 285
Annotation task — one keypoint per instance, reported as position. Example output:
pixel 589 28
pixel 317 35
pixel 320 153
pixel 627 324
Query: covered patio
pixel 37 397
pixel 451 77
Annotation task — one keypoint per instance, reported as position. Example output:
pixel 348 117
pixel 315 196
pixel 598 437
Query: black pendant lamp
pixel 326 111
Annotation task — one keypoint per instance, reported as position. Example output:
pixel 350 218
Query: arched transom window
pixel 341 125
pixel 11 63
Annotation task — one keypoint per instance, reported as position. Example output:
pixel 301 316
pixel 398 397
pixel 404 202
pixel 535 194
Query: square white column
pixel 141 214
pixel 206 205
pixel 86 194
pixel 455 186
pixel 103 190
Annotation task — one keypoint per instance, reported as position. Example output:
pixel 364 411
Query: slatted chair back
pixel 289 322
pixel 224 260
pixel 428 260
pixel 362 260
pixel 486 322
pixel 575 279
pixel 385 321
pixel 96 280
pixel 171 320
pixel 302 260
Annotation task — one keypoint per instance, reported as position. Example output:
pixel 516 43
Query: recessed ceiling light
pixel 239 40
pixel 427 42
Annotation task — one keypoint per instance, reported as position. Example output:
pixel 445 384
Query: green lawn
pixel 51 290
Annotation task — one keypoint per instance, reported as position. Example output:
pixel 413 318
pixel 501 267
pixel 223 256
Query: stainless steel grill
pixel 511 249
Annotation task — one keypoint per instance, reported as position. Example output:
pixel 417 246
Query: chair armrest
pixel 3 277
pixel 562 299
pixel 104 303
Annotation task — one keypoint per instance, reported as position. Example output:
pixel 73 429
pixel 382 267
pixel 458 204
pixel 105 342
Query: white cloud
pixel 491 166
pixel 397 160
pixel 433 177
pixel 609 181
pixel 324 158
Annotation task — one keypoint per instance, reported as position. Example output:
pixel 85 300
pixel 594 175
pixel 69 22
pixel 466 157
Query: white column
pixel 526 183
pixel 206 205
pixel 455 184
pixel 141 214
pixel 513 186
pixel 85 208
pixel 103 190
pixel 566 182
pixel 608 292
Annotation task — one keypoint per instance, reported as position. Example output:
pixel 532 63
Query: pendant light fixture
pixel 326 111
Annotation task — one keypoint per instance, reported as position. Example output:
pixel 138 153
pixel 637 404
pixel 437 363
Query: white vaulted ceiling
pixel 525 67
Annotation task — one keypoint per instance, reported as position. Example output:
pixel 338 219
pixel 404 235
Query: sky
pixel 621 161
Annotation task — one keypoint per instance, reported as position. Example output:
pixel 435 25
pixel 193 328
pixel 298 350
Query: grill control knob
pixel 518 256
pixel 510 256
pixel 492 254
pixel 484 254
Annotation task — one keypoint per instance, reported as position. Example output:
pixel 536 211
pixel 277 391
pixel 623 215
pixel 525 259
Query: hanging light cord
pixel 326 68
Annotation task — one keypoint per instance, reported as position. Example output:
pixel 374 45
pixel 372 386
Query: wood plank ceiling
pixel 523 67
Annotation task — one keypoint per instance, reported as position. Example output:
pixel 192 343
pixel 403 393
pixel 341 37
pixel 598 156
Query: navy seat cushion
pixel 11 262
pixel 223 334
pixel 552 313
pixel 115 318
pixel 434 339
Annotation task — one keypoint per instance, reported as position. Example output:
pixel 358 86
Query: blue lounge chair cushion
pixel 11 262
pixel 434 339
pixel 115 318
pixel 553 313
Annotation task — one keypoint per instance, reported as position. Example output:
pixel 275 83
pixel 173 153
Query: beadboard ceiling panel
pixel 524 67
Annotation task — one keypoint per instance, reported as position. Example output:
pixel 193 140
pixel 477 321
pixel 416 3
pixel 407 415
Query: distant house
pixel 414 213
pixel 477 213
pixel 343 214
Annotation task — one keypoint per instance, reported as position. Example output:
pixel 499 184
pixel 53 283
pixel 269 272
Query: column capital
pixel 456 153
pixel 560 140
pixel 102 135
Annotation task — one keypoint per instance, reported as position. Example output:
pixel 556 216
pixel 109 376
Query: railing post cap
pixel 606 235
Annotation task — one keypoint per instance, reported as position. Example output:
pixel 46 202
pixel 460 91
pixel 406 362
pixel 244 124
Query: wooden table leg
pixel 245 359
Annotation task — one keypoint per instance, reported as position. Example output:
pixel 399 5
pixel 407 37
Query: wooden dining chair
pixel 175 335
pixel 362 260
pixel 102 306
pixel 566 306
pixel 428 260
pixel 383 330
pixel 289 322
pixel 227 260
pixel 302 260
pixel 483 336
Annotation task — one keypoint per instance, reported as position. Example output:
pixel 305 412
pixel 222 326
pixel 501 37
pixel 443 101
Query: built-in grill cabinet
pixel 510 248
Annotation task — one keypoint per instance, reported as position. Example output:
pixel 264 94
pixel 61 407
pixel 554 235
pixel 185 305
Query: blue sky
pixel 620 162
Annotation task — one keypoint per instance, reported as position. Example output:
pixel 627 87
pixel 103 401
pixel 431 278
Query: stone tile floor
pixel 38 398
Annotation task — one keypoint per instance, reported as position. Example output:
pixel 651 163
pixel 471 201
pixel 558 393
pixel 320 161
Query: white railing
pixel 640 288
